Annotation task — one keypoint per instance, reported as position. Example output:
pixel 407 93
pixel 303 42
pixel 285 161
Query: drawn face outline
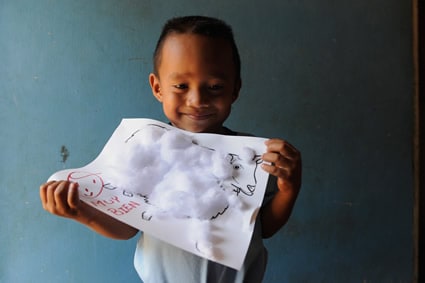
pixel 91 183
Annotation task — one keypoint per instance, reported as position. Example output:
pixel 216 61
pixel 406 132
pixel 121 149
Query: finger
pixel 283 147
pixel 50 198
pixel 276 171
pixel 60 196
pixel 277 159
pixel 73 198
pixel 279 165
pixel 276 145
pixel 43 192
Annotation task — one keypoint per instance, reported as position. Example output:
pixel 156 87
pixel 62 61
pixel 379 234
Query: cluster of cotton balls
pixel 177 177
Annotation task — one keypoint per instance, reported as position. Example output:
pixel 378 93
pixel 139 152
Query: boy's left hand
pixel 284 162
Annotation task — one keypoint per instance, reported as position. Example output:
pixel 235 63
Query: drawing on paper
pixel 199 192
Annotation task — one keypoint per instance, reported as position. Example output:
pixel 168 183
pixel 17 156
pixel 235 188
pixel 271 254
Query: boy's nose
pixel 197 98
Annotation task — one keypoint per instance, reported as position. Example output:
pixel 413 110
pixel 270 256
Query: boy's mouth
pixel 200 116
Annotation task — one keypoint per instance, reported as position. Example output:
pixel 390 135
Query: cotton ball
pixel 137 172
pixel 171 155
pixel 194 196
pixel 177 203
pixel 221 167
pixel 149 135
pixel 140 157
pixel 195 156
pixel 144 181
pixel 211 204
pixel 205 157
pixel 234 201
pixel 118 167
pixel 132 155
pixel 177 180
pixel 174 196
pixel 173 146
pixel 176 140
pixel 201 179
pixel 139 168
pixel 247 154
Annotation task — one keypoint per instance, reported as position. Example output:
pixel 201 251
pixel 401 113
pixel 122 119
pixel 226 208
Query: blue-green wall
pixel 333 77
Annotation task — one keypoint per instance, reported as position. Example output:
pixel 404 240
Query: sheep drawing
pixel 180 178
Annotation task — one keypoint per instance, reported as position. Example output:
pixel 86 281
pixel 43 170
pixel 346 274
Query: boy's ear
pixel 155 86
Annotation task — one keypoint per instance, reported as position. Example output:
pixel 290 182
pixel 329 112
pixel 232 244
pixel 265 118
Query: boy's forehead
pixel 193 47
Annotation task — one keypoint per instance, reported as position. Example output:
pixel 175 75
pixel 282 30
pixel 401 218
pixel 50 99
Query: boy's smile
pixel 196 82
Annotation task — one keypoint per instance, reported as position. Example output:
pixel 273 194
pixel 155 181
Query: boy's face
pixel 196 82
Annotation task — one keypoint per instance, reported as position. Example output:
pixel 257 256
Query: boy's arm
pixel 61 198
pixel 284 163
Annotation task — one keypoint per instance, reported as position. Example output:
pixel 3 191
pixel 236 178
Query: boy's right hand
pixel 60 198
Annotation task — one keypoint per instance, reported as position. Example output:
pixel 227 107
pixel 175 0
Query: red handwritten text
pixel 125 208
pixel 106 202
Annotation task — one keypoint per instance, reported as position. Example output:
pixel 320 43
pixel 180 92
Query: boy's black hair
pixel 200 25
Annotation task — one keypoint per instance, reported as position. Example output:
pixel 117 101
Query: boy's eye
pixel 180 86
pixel 216 87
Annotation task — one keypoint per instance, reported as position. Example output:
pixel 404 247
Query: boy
pixel 196 78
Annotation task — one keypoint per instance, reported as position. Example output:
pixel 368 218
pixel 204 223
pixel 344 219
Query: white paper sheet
pixel 111 184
